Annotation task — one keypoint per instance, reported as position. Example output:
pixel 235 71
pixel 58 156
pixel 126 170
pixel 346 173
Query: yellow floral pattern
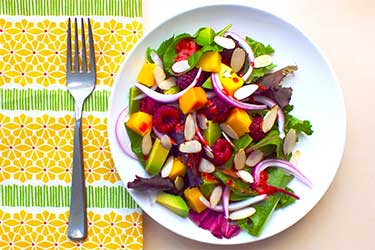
pixel 47 230
pixel 34 52
pixel 37 147
pixel 41 148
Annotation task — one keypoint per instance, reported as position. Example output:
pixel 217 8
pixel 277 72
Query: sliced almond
pixel 238 59
pixel 179 183
pixel 229 131
pixel 262 61
pixel 159 74
pixel 165 141
pixel 242 213
pixel 228 139
pixel 167 83
pixel 167 168
pixel 239 159
pixel 269 119
pixel 254 158
pixel 245 176
pixel 205 166
pixel 180 66
pixel 295 157
pixel 156 59
pixel 245 91
pixel 193 146
pixel 215 196
pixel 227 74
pixel 225 42
pixel 202 121
pixel 290 141
pixel 208 152
pixel 146 144
pixel 190 127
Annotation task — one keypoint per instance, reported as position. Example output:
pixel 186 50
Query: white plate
pixel 317 97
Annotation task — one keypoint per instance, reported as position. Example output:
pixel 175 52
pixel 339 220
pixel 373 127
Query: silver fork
pixel 81 83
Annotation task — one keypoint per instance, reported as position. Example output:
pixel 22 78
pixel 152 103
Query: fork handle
pixel 77 227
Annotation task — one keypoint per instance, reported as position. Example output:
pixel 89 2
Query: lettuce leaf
pixel 259 48
pixel 155 183
pixel 286 200
pixel 271 143
pixel 255 224
pixel 170 52
pixel 136 144
pixel 291 122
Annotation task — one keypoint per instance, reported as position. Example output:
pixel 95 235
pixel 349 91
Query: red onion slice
pixel 167 98
pixel 286 165
pixel 225 202
pixel 218 88
pixel 121 134
pixel 280 113
pixel 246 47
pixel 236 205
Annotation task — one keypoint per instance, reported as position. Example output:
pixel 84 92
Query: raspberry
pixel 256 128
pixel 185 48
pixel 216 109
pixel 148 105
pixel 186 79
pixel 165 118
pixel 222 151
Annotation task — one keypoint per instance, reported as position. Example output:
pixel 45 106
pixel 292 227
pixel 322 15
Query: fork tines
pixel 77 67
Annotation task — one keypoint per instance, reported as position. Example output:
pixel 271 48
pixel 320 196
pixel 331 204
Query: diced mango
pixel 192 100
pixel 239 120
pixel 210 61
pixel 146 75
pixel 178 169
pixel 140 122
pixel 192 197
pixel 229 79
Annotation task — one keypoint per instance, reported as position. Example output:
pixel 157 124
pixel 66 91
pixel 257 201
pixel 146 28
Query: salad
pixel 211 123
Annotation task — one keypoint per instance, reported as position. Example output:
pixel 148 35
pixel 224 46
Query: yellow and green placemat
pixel 36 126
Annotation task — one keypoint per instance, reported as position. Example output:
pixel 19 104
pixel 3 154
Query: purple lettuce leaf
pixel 155 183
pixel 274 79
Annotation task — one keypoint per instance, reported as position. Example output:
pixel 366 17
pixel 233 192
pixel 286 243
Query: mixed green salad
pixel 211 123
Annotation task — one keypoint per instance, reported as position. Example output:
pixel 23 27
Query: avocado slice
pixel 212 133
pixel 175 203
pixel 243 142
pixel 157 157
pixel 133 104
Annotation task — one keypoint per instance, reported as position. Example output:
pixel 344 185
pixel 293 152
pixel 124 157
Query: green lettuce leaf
pixel 194 58
pixel 204 36
pixel 260 49
pixel 271 143
pixel 256 223
pixel 291 122
pixel 136 144
pixel 286 200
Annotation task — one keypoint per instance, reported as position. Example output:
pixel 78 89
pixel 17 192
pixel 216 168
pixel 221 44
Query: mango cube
pixel 192 197
pixel 239 120
pixel 178 169
pixel 146 75
pixel 140 122
pixel 210 61
pixel 229 79
pixel 192 100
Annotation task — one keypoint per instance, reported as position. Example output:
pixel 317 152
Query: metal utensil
pixel 81 83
